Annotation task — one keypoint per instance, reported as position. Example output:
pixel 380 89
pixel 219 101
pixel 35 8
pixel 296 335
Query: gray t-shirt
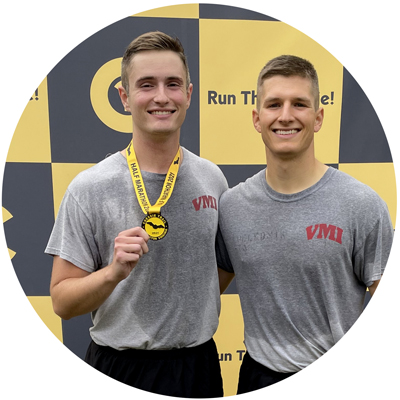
pixel 171 299
pixel 302 263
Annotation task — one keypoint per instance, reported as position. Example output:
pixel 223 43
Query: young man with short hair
pixel 131 247
pixel 304 241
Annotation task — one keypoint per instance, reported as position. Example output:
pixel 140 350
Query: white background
pixel 36 35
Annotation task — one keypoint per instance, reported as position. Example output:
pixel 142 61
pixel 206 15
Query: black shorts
pixel 253 375
pixel 187 372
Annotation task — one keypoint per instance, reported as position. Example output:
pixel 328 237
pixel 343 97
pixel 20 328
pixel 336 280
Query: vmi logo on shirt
pixel 206 201
pixel 324 231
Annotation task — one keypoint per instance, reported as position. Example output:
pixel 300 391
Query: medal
pixel 154 223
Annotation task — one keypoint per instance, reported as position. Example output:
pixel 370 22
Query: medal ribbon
pixel 138 183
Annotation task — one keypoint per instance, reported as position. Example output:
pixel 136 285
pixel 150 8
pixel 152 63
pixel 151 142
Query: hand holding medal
pixel 154 223
pixel 129 246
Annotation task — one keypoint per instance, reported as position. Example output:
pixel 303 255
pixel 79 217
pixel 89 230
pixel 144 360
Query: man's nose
pixel 161 96
pixel 286 113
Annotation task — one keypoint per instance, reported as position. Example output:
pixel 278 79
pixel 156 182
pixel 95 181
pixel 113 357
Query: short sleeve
pixel 72 237
pixel 370 260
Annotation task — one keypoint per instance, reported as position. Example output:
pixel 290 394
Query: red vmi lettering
pixel 325 231
pixel 207 201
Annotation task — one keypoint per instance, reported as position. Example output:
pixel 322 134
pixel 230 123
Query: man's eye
pixel 300 105
pixel 273 105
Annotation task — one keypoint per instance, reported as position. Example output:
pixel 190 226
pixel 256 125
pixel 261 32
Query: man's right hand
pixel 129 246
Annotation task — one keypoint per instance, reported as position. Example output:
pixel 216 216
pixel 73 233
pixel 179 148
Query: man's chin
pixel 164 132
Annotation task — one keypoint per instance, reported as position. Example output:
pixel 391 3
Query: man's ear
pixel 319 118
pixel 256 120
pixel 189 95
pixel 124 98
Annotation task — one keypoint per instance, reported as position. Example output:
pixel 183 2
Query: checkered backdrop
pixel 75 118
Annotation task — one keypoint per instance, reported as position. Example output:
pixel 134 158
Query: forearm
pixel 80 295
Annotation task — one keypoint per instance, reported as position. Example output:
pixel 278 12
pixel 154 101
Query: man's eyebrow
pixel 144 78
pixel 271 99
pixel 303 100
pixel 175 78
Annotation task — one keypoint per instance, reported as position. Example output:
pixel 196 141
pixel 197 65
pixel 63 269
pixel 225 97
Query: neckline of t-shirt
pixel 299 195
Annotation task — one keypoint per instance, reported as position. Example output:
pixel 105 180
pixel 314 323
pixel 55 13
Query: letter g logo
pixel 99 96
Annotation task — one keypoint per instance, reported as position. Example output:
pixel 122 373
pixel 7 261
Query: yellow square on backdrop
pixel 232 54
pixel 177 11
pixel 63 174
pixel 378 176
pixel 44 308
pixel 31 139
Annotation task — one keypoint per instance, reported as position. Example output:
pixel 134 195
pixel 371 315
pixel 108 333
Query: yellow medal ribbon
pixel 154 224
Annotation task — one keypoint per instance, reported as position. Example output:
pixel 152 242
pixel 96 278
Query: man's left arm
pixel 373 287
pixel 225 268
pixel 373 255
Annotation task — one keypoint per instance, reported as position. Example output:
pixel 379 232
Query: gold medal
pixel 154 223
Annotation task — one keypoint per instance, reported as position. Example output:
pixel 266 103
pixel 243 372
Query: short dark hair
pixel 151 41
pixel 289 65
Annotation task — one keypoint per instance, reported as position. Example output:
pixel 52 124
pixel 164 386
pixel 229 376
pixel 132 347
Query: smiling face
pixel 286 117
pixel 158 94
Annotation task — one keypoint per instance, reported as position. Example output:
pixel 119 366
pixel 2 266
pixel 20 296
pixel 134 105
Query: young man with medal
pixel 132 245
pixel 304 240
